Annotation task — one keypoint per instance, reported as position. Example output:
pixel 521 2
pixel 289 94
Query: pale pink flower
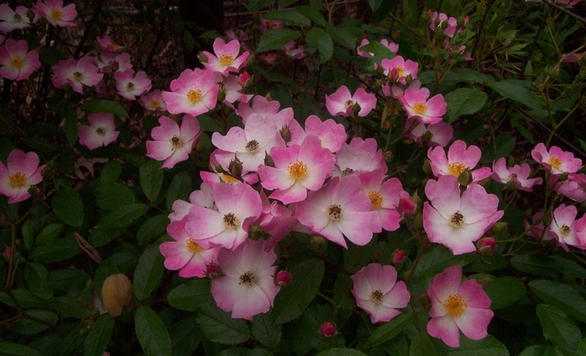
pixel 417 104
pixel 536 227
pixel 331 134
pixel 298 168
pixel 360 155
pixel 566 229
pixel 291 51
pixel 518 175
pixel 378 292
pixel 76 73
pixel 233 91
pixel 268 110
pixel 344 103
pixel 22 171
pixel 16 60
pixel 153 101
pixel 13 19
pixel 574 187
pixel 249 144
pixel 108 45
pixel 385 194
pixel 109 62
pixel 101 131
pixel 339 209
pixel 268 57
pixel 130 85
pixel 456 220
pixel 397 69
pixel 57 14
pixel 266 25
pixel 202 197
pixel 459 159
pixel 393 47
pixel 438 134
pixel 195 92
pixel 225 58
pixel 457 306
pixel 437 19
pixel 184 254
pixel 556 160
pixel 276 220
pixel 173 144
pixel 238 206
pixel 247 286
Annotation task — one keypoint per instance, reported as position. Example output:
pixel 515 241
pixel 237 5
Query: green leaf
pixel 25 298
pixel 28 234
pixel 519 91
pixel 152 228
pixel 288 17
pixel 68 206
pixel 49 233
pixel 112 195
pixel 151 179
pixel 275 39
pixel 101 237
pixel 433 261
pixel 32 327
pixel 488 346
pixel 464 101
pixel 504 146
pixel 313 14
pixel 540 265
pixel 322 42
pixel 292 300
pixel 255 5
pixel 37 280
pixel 504 291
pixel 338 351
pixel 70 128
pixel 265 331
pixel 179 188
pixel 71 342
pixel 562 296
pixel 185 337
pixel 148 273
pixel 105 106
pixel 97 339
pixel 12 349
pixel 122 216
pixel 56 250
pixel 110 172
pixel 151 332
pixel 191 295
pixel 421 345
pixel 218 326
pixel 557 327
pixel 389 330
pixel 343 36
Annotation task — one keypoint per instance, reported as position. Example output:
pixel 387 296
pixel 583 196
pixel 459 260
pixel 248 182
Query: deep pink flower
pixel 343 103
pixel 130 85
pixel 108 45
pixel 566 229
pixel 247 287
pixel 393 47
pixel 76 73
pixel 16 60
pixel 153 101
pixel 184 254
pixel 101 131
pixel 518 175
pixel 13 19
pixel 556 160
pixel 331 134
pixel 458 220
pixel 238 206
pixel 438 134
pixel 574 187
pixel 173 144
pixel 378 293
pixel 328 329
pixel 417 104
pixel 57 14
pixel 397 69
pixel 339 209
pixel 457 306
pixel 360 155
pixel 195 92
pixel 276 220
pixel 437 19
pixel 298 168
pixel 268 110
pixel 21 172
pixel 458 160
pixel 225 58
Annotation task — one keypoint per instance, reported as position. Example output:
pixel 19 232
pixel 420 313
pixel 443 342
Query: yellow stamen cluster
pixel 17 179
pixel 419 108
pixel 298 170
pixel 56 14
pixel 16 62
pixel 193 95
pixel 455 305
pixel 376 198
pixel 226 60
pixel 193 246
pixel 555 162
pixel 456 168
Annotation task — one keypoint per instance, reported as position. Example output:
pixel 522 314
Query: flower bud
pixel 388 156
pixel 203 58
pixel 499 226
pixel 283 278
pixel 285 133
pixel 318 243
pixel 486 246
pixel 117 293
pixel 398 257
pixel 268 160
pixel 328 329
pixel 245 79
pixel 406 207
pixel 213 270
pixel 235 167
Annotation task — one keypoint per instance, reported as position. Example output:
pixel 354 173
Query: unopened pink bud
pixel 406 206
pixel 8 252
pixel 212 270
pixel 328 329
pixel 283 278
pixel 486 246
pixel 398 257
pixel 244 79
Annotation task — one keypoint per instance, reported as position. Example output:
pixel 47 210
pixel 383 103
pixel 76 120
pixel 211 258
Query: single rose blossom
pixel 556 160
pixel 457 306
pixel 344 103
pixel 518 175
pixel 195 92
pixel 225 58
pixel 153 101
pixel 16 61
pixel 130 85
pixel 55 13
pixel 459 159
pixel 101 131
pixel 173 144
pixel 433 135
pixel 21 172
pixel 574 187
pixel 247 287
pixel 378 292
pixel 13 19
pixel 417 103
pixel 76 73
pixel 108 45
pixel 565 229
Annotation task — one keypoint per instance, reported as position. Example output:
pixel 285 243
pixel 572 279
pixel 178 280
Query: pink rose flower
pixel 21 172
